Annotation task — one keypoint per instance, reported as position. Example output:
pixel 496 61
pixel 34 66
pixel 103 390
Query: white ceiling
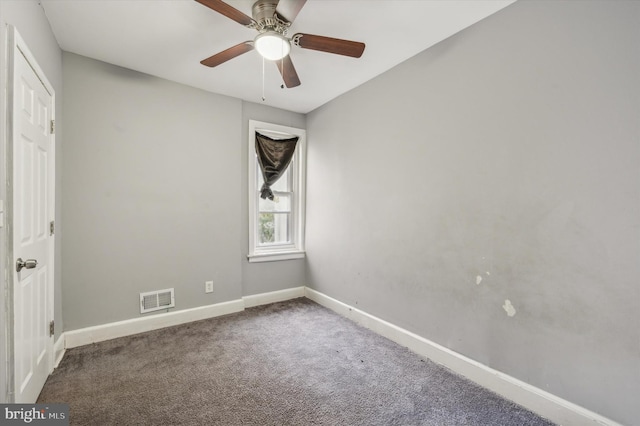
pixel 169 38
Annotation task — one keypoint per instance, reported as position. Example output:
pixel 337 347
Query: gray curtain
pixel 274 156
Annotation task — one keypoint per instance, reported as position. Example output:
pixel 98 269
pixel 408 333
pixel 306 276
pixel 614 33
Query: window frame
pixel 295 249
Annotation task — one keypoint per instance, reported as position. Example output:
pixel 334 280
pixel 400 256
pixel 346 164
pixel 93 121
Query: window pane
pixel 283 184
pixel 259 178
pixel 273 228
pixel 281 203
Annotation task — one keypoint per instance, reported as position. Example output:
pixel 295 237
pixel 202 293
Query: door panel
pixel 32 210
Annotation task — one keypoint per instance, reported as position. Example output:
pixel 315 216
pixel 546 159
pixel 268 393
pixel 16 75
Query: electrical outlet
pixel 208 287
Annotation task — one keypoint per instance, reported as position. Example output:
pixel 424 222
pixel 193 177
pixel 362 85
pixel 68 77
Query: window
pixel 276 227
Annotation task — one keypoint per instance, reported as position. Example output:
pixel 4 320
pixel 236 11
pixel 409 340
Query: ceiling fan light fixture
pixel 272 45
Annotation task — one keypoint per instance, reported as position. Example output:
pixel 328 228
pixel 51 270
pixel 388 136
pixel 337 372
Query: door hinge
pixel 53 126
pixel 52 328
pixel 52 227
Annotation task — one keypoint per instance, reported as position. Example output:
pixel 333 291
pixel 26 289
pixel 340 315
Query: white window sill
pixel 273 257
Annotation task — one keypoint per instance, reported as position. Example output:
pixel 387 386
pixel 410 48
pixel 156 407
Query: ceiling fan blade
pixel 287 10
pixel 230 53
pixel 228 11
pixel 288 71
pixel 330 45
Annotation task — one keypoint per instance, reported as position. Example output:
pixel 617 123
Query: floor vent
pixel 157 300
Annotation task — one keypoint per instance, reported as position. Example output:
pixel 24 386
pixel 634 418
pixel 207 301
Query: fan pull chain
pixel 263 97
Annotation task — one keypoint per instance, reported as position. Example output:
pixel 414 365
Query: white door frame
pixel 17 46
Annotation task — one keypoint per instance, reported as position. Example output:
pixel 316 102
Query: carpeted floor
pixel 289 363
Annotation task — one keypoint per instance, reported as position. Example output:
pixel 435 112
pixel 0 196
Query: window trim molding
pixel 296 249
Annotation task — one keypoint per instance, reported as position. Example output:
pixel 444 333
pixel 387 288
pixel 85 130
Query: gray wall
pixel 155 180
pixel 152 192
pixel 29 19
pixel 508 152
pixel 266 276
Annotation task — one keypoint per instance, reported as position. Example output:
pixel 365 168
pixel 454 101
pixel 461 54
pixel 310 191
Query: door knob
pixel 29 264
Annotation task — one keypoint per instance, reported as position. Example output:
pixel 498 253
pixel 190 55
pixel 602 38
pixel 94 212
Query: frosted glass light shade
pixel 272 46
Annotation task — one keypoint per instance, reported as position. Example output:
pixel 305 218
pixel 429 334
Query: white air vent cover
pixel 157 300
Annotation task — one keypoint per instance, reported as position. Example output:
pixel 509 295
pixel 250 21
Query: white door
pixel 32 211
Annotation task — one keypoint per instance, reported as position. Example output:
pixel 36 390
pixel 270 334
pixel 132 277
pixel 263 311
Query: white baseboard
pixel 537 400
pixel 99 333
pixel 272 297
pixel 58 350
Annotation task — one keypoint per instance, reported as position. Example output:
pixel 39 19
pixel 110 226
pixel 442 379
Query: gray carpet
pixel 289 363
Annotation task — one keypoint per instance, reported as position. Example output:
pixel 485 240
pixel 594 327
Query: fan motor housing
pixel 264 13
pixel 264 9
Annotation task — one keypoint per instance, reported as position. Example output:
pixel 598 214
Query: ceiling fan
pixel 272 19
